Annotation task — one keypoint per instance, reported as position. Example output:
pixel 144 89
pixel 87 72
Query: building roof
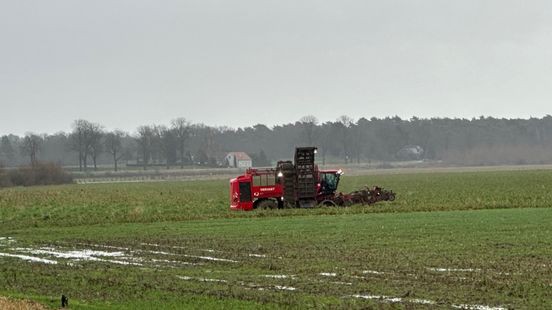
pixel 240 155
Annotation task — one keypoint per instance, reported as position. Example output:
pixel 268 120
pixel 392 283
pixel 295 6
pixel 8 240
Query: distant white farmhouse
pixel 411 152
pixel 238 160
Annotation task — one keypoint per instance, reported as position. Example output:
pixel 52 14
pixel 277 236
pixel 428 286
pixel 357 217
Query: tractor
pixel 297 184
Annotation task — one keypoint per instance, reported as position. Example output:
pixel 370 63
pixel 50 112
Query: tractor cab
pixel 328 181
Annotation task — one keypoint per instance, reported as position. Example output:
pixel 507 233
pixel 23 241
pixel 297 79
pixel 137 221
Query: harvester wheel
pixel 327 203
pixel 267 204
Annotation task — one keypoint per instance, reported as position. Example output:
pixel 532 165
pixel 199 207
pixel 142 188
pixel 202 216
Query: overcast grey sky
pixel 238 63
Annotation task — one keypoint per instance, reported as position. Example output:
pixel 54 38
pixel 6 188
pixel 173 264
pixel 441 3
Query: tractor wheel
pixel 391 196
pixel 267 204
pixel 327 203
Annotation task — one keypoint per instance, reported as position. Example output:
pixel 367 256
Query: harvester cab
pixel 329 181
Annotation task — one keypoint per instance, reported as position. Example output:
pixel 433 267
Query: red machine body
pixel 263 187
pixel 256 185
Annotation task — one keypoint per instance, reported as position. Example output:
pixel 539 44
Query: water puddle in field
pixel 382 298
pixel 421 301
pixel 285 288
pixel 390 299
pixel 186 278
pixel 454 269
pixel 255 286
pixel 216 259
pixel 173 262
pixel 6 240
pixel 78 254
pixel 460 270
pixel 32 259
pixel 256 255
pixel 103 253
pixel 477 307
pixel 84 255
pixel 179 247
pixel 103 246
pixel 372 272
pixel 204 250
pixel 279 276
pixel 328 274
pixel 157 252
pixel 210 258
pixel 342 283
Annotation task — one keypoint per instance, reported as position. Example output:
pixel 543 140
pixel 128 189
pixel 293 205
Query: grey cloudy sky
pixel 238 63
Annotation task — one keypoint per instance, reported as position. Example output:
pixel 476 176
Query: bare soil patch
pixel 16 304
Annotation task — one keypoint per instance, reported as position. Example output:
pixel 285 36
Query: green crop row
pixel 70 205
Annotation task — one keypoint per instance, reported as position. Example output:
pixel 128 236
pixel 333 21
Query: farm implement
pixel 298 184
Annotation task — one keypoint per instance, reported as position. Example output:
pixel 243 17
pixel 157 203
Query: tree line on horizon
pixel 477 141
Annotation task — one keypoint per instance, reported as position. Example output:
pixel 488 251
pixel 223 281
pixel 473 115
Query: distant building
pixel 238 160
pixel 411 152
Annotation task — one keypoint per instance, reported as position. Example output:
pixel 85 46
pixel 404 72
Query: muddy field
pixel 174 245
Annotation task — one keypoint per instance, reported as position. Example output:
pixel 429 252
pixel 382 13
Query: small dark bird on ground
pixel 64 301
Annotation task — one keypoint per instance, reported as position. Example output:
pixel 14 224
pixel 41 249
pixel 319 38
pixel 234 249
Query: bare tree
pixel 309 123
pixel 86 141
pixel 7 152
pixel 344 124
pixel 114 146
pixel 94 142
pixel 326 140
pixel 77 140
pixel 157 150
pixel 181 128
pixel 31 146
pixel 356 141
pixel 347 121
pixel 168 147
pixel 144 140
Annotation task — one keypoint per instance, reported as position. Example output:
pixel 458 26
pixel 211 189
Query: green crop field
pixel 474 240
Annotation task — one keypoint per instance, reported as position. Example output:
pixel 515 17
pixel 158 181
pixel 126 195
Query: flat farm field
pixel 473 240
